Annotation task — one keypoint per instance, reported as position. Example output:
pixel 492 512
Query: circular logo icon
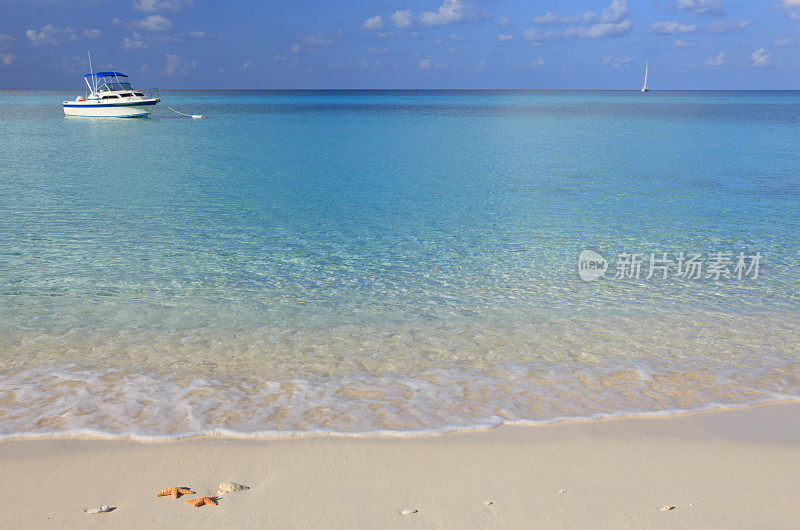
pixel 591 265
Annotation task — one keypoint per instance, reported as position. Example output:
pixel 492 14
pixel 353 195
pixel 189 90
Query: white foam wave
pixel 149 406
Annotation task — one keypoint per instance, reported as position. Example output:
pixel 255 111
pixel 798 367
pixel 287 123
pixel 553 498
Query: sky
pixel 431 44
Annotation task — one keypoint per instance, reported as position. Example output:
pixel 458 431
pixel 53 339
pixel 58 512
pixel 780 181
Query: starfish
pixel 201 501
pixel 174 491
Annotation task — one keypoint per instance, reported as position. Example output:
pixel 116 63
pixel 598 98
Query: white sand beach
pixel 735 468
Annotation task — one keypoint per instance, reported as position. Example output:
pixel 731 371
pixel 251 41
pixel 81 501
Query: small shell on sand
pixel 230 487
pixel 488 503
pixel 102 509
pixel 666 508
pixel 409 511
pixel 561 491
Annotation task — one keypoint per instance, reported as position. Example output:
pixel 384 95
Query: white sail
pixel 644 87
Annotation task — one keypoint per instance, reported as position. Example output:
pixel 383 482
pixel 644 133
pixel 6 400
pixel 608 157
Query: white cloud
pixel 154 23
pixel 46 36
pixel 551 18
pixel 617 62
pixel 613 22
pixel 539 61
pixel 702 7
pixel 309 42
pixel 92 33
pixel 716 60
pixel 782 41
pixel 7 58
pixel 760 57
pixel 671 28
pixel 616 11
pixel 792 4
pixel 402 19
pixel 428 63
pixel 601 30
pixel 134 42
pixel 50 35
pixel 74 63
pixel 450 12
pixel 504 22
pixel 150 6
pixel 317 40
pixel 456 38
pixel 540 37
pixel 176 65
pixel 680 43
pixel 505 38
pixel 373 23
pixel 728 26
pixel 202 34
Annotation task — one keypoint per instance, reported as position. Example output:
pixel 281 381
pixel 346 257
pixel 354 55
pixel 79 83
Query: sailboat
pixel 645 88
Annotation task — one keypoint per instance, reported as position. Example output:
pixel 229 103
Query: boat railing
pixel 151 93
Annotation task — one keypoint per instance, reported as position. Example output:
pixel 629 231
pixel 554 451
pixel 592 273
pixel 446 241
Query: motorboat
pixel 111 95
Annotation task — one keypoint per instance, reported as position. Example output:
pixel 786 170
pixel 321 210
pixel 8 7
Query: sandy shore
pixel 718 469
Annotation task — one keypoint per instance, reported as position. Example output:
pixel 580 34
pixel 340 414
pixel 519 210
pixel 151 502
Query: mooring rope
pixel 183 114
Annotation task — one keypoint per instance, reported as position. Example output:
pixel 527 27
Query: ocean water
pixel 393 262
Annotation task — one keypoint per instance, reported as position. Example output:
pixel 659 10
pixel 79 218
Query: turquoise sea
pixel 394 262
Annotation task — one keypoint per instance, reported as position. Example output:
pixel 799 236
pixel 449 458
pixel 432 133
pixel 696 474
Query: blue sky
pixel 536 44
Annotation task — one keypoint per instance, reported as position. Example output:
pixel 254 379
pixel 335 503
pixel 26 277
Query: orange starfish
pixel 201 501
pixel 174 491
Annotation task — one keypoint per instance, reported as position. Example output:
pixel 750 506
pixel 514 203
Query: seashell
pixel 409 511
pixel 230 487
pixel 104 508
pixel 488 503
pixel 666 508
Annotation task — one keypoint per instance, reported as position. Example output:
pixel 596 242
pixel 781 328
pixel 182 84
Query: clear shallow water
pixel 390 261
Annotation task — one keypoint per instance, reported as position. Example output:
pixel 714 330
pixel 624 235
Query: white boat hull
pixel 128 109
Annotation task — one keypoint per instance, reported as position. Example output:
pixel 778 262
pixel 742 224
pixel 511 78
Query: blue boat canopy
pixel 106 74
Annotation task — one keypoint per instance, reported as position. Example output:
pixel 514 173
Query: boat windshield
pixel 114 86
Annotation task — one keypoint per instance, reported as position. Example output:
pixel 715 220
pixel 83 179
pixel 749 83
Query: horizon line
pixel 431 90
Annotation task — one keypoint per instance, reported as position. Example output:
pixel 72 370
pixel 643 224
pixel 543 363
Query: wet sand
pixel 732 468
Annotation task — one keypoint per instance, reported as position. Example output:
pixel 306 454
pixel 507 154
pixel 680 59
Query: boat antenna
pixel 91 72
